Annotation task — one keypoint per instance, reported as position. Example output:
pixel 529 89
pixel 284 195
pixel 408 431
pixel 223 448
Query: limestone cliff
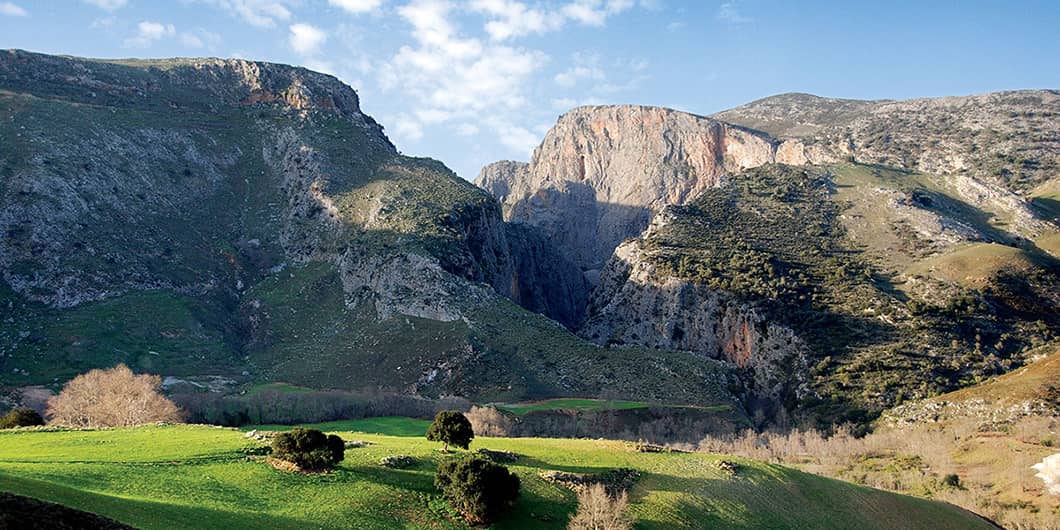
pixel 636 302
pixel 245 221
pixel 601 173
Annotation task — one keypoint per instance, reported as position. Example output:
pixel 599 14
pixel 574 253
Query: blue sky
pixel 470 82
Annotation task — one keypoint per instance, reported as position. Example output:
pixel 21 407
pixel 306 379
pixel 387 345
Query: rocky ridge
pixel 200 217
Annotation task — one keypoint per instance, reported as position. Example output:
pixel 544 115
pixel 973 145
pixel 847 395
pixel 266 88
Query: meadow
pixel 196 476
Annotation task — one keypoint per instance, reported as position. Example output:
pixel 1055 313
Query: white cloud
pixel 103 22
pixel 595 12
pixel 12 10
pixel 586 67
pixel 675 25
pixel 149 32
pixel 306 39
pixel 512 18
pixel 729 12
pixel 517 138
pixel 357 6
pixel 200 38
pixel 467 129
pixel 257 13
pixel 451 78
pixel 108 5
pixel 407 128
pixel 515 19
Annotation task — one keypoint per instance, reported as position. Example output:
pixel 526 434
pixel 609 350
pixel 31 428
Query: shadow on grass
pixel 145 513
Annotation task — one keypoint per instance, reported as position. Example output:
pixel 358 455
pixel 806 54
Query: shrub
pixel 478 489
pixel 112 398
pixel 20 417
pixel 451 427
pixel 309 449
pixel 488 421
pixel 599 511
pixel 951 480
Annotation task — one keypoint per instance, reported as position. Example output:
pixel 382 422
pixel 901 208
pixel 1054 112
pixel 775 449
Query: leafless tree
pixel 599 511
pixel 112 398
pixel 488 421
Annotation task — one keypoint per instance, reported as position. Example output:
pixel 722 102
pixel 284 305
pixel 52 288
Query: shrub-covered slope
pixel 777 271
pixel 245 221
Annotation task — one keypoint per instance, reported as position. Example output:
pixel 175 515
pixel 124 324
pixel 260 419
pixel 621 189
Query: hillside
pixel 238 222
pixel 198 477
pixel 840 273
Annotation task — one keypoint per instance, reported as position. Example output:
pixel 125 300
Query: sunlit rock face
pixel 601 173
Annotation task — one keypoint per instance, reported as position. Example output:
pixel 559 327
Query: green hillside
pixel 245 222
pixel 810 248
pixel 198 477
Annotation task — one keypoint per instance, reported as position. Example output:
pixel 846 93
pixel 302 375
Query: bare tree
pixel 112 398
pixel 599 511
pixel 488 421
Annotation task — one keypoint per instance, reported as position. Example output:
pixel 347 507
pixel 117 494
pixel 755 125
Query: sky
pixel 475 81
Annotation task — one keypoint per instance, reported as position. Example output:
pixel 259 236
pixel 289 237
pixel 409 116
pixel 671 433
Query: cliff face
pixel 246 222
pixel 782 247
pixel 638 303
pixel 602 172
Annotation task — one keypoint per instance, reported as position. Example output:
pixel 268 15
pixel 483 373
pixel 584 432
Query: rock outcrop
pixel 997 147
pixel 635 303
pixel 205 218
pixel 601 173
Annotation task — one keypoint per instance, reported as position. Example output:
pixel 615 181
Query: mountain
pixel 843 255
pixel 239 222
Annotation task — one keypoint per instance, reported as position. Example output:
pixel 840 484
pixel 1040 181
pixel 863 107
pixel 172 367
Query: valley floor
pixel 193 476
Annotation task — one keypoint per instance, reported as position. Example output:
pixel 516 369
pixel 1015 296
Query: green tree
pixel 476 488
pixel 309 448
pixel 20 417
pixel 451 427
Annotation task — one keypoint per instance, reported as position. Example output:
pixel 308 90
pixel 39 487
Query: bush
pixel 309 449
pixel 451 427
pixel 112 398
pixel 599 511
pixel 20 417
pixel 952 481
pixel 478 489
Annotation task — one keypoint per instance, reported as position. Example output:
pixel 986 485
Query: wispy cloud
pixel 357 6
pixel 148 32
pixel 108 5
pixel 200 39
pixel 257 13
pixel 511 18
pixel 729 12
pixel 585 67
pixel 12 10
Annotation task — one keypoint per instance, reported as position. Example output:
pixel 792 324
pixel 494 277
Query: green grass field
pixel 196 477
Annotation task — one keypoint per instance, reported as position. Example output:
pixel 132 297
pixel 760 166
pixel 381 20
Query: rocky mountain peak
pixel 602 172
pixel 182 83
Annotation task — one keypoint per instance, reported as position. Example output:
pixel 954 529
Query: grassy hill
pixel 198 477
